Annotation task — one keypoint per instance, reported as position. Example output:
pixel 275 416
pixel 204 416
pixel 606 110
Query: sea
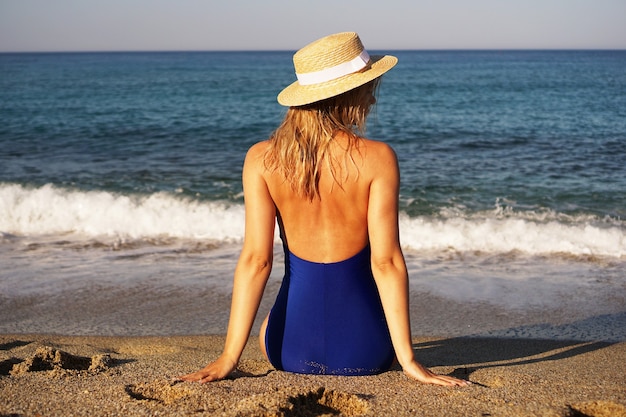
pixel 121 206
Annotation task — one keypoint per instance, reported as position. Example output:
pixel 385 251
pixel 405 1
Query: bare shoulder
pixel 256 154
pixel 258 149
pixel 378 154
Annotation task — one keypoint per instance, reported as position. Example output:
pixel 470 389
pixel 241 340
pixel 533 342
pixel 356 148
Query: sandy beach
pixel 43 375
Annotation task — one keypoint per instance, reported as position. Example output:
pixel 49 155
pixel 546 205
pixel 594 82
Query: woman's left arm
pixel 252 271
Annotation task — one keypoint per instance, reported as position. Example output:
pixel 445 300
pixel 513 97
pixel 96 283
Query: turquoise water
pixel 509 160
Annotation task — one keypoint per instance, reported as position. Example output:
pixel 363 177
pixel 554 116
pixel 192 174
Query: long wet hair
pixel 301 143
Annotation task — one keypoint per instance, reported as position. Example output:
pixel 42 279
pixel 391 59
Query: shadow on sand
pixel 470 353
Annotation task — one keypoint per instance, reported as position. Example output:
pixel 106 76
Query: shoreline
pixel 145 310
pixel 55 375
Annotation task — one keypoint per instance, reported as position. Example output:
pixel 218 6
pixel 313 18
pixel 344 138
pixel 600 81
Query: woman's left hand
pixel 214 371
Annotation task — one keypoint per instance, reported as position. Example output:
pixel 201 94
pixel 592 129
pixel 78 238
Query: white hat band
pixel 332 73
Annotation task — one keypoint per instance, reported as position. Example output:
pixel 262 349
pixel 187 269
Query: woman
pixel 343 304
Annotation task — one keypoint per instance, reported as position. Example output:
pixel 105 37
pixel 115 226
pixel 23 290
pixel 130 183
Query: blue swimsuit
pixel 328 319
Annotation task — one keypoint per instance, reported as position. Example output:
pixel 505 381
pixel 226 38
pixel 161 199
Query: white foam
pixel 513 233
pixel 50 210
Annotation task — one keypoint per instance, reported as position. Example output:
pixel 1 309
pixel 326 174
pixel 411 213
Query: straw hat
pixel 330 66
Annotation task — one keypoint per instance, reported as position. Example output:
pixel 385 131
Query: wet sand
pixel 46 375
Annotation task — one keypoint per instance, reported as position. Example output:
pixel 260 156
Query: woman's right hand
pixel 418 372
pixel 214 371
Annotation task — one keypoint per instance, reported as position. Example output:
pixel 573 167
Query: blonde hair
pixel 301 143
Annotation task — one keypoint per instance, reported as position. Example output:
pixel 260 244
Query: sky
pixel 146 25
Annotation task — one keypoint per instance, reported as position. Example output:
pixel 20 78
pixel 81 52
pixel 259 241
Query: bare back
pixel 335 226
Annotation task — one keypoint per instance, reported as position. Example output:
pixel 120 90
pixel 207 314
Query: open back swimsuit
pixel 328 319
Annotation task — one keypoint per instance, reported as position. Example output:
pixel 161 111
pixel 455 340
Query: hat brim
pixel 300 95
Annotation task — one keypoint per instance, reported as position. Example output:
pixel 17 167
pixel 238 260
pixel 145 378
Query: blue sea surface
pixel 541 129
pixel 122 167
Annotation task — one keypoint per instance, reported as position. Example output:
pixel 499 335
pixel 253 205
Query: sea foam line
pixel 50 210
pixel 503 235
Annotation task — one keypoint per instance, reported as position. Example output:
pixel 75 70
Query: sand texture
pixel 132 376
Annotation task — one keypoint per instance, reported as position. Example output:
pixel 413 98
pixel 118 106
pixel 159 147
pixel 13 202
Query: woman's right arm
pixel 389 268
pixel 252 271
